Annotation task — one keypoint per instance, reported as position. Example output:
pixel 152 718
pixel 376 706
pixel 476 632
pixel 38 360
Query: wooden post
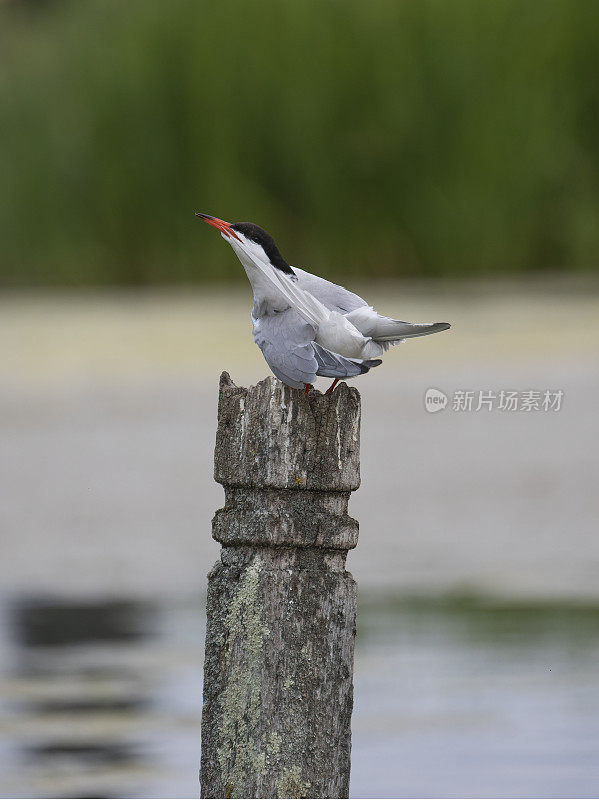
pixel 281 607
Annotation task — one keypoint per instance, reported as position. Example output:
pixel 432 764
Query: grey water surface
pixel 454 698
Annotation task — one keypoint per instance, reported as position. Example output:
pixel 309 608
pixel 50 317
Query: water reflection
pixel 45 622
pixel 467 697
pixel 78 689
pixel 457 697
pixel 472 618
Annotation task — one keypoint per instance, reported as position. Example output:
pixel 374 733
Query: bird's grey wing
pixel 286 341
pixel 390 331
pixel 383 330
pixel 332 365
pixel 334 297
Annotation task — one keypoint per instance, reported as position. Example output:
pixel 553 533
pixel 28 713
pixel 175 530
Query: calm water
pixel 458 699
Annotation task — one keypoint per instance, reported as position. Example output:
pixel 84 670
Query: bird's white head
pixel 249 242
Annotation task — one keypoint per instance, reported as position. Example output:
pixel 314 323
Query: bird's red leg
pixel 308 389
pixel 332 386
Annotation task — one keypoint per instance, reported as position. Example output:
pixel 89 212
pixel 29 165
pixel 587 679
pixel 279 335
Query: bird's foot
pixel 307 389
pixel 332 386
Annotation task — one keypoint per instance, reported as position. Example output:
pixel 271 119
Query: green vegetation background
pixel 383 137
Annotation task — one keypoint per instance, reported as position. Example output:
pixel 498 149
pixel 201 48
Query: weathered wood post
pixel 281 607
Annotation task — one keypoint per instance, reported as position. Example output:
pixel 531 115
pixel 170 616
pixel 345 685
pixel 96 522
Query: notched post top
pixel 271 436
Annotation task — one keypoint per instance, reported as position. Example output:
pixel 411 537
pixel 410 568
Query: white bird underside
pixel 307 326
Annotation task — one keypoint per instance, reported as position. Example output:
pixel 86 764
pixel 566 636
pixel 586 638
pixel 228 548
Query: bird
pixel 307 326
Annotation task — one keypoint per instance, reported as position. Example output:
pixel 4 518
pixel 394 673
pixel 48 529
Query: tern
pixel 307 326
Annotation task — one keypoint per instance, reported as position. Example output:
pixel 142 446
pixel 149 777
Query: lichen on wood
pixel 238 752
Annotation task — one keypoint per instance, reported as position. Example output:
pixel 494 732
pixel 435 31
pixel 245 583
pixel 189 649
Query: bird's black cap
pixel 261 237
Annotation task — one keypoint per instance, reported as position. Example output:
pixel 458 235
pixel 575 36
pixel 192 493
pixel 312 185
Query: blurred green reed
pixel 391 137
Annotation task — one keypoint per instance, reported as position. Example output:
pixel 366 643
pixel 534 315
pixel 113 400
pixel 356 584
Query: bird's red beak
pixel 219 224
